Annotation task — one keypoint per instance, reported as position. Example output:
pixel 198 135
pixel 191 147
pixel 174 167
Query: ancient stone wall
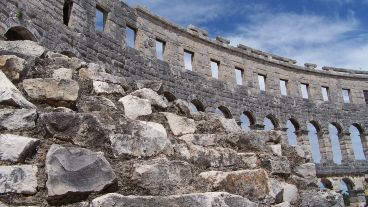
pixel 44 19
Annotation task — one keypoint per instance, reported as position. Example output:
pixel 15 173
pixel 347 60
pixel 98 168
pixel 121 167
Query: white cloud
pixel 306 38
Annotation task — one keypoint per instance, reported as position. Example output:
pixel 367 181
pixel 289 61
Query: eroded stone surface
pixel 152 96
pixel 135 106
pixel 25 48
pixel 154 85
pixel 51 89
pixel 10 95
pixel 319 198
pixel 100 87
pixel 16 148
pixel 18 179
pixel 180 125
pixel 219 199
pixel 12 65
pixel 17 119
pixel 251 184
pixel 142 139
pixel 163 177
pixel 63 73
pixel 74 173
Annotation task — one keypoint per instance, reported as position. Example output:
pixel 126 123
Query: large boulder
pixel 321 198
pixel 152 96
pixel 10 95
pixel 17 119
pixel 163 177
pixel 74 173
pixel 135 106
pixel 180 125
pixel 18 179
pixel 62 73
pixel 82 129
pixel 17 148
pixel 252 184
pixel 22 48
pixel 141 139
pixel 12 65
pixel 290 193
pixel 219 199
pixel 230 125
pixel 94 103
pixel 51 90
pixel 94 72
pixel 276 165
pixel 100 87
pixel 307 171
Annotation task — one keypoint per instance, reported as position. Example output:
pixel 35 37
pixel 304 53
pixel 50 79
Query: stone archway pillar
pixel 364 139
pixel 346 145
pixel 284 137
pixel 325 147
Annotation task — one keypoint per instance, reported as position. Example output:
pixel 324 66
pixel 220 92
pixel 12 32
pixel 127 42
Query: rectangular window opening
pixel 262 82
pixel 239 76
pixel 283 87
pixel 160 49
pixel 305 90
pixel 215 68
pixel 325 93
pixel 67 11
pixel 188 60
pixel 131 35
pixel 101 17
pixel 346 95
pixel 366 96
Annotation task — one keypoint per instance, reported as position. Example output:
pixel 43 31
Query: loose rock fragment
pixel 18 179
pixel 16 148
pixel 17 119
pixel 180 125
pixel 135 107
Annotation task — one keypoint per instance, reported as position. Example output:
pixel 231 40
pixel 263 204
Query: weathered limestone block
pixel 180 125
pixel 180 107
pixel 51 89
pixel 276 165
pixel 307 171
pixel 252 184
pixel 64 61
pixel 97 74
pixel 141 139
pixel 276 149
pixel 62 73
pixel 163 177
pixel 283 204
pixel 12 65
pixel 100 87
pixel 79 128
pixel 152 96
pixel 319 198
pixel 18 179
pixel 154 85
pixel 94 103
pixel 10 95
pixel 230 125
pixel 17 148
pixel 217 199
pixel 74 173
pixel 23 48
pixel 290 193
pixel 17 119
pixel 135 107
pixel 249 160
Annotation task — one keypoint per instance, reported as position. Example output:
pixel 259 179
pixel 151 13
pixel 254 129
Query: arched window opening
pixel 270 123
pixel 169 96
pixel 313 133
pixel 246 120
pixel 345 188
pixel 196 106
pixel 335 131
pixel 224 112
pixel 356 141
pixel 292 127
pixel 19 33
pixel 325 184
pixel 67 11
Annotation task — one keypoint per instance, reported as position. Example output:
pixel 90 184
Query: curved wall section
pixel 238 94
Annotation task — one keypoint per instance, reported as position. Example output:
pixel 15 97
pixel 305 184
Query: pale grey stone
pixel 143 139
pixel 216 199
pixel 152 96
pixel 10 95
pixel 154 85
pixel 290 193
pixel 180 125
pixel 62 73
pixel 135 106
pixel 20 179
pixel 16 148
pixel 17 119
pixel 24 47
pixel 100 87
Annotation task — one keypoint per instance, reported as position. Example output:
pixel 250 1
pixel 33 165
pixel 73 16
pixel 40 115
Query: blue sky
pixel 325 32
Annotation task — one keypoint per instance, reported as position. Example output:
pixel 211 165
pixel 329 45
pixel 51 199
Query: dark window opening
pixel 67 10
pixel 366 96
